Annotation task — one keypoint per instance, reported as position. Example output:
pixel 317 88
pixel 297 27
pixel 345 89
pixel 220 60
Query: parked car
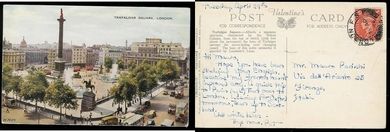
pixel 134 120
pixel 179 93
pixel 172 109
pixel 76 69
pixel 181 118
pixel 110 120
pixel 172 94
pixel 151 114
pixel 89 68
pixel 181 112
pixel 165 92
pixel 142 109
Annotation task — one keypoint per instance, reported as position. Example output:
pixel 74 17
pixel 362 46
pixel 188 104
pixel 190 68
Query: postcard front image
pixel 95 65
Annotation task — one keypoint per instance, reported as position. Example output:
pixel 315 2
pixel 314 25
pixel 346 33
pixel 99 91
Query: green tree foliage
pixel 146 78
pixel 13 85
pixel 33 88
pixel 115 91
pixel 124 90
pixel 69 98
pixel 120 63
pixel 6 75
pixel 108 63
pixel 129 88
pixel 131 65
pixel 61 96
pixel 167 70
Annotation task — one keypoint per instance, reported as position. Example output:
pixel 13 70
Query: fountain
pixel 113 76
pixel 114 71
pixel 68 76
pixel 79 89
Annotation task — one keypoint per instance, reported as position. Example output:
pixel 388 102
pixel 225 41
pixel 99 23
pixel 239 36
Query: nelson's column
pixel 59 62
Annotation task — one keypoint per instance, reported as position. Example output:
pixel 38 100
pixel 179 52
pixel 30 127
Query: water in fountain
pixel 111 77
pixel 68 76
pixel 79 89
pixel 114 71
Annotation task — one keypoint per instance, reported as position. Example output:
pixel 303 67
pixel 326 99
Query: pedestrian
pixel 7 110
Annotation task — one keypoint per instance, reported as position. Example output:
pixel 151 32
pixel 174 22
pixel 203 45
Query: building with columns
pixel 153 50
pixel 15 58
pixel 154 47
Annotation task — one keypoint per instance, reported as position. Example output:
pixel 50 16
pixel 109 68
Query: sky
pixel 95 24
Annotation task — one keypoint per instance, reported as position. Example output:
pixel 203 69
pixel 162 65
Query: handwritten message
pixel 249 93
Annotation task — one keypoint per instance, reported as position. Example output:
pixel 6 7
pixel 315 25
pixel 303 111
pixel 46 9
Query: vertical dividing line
pixel 286 75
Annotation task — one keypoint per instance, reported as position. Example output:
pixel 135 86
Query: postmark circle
pixel 365 26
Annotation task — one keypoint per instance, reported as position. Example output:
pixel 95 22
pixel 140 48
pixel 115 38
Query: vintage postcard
pixel 290 65
pixel 95 65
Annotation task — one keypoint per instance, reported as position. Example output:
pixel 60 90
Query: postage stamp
pixel 365 26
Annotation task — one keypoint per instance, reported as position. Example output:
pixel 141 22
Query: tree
pixel 34 87
pixel 61 96
pixel 167 70
pixel 152 79
pixel 6 76
pixel 115 91
pixel 108 63
pixel 69 98
pixel 120 63
pixel 41 78
pixel 124 90
pixel 131 65
pixel 13 85
pixel 146 78
pixel 129 87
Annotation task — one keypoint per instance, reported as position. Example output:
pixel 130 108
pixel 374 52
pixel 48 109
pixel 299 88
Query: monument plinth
pixel 88 102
